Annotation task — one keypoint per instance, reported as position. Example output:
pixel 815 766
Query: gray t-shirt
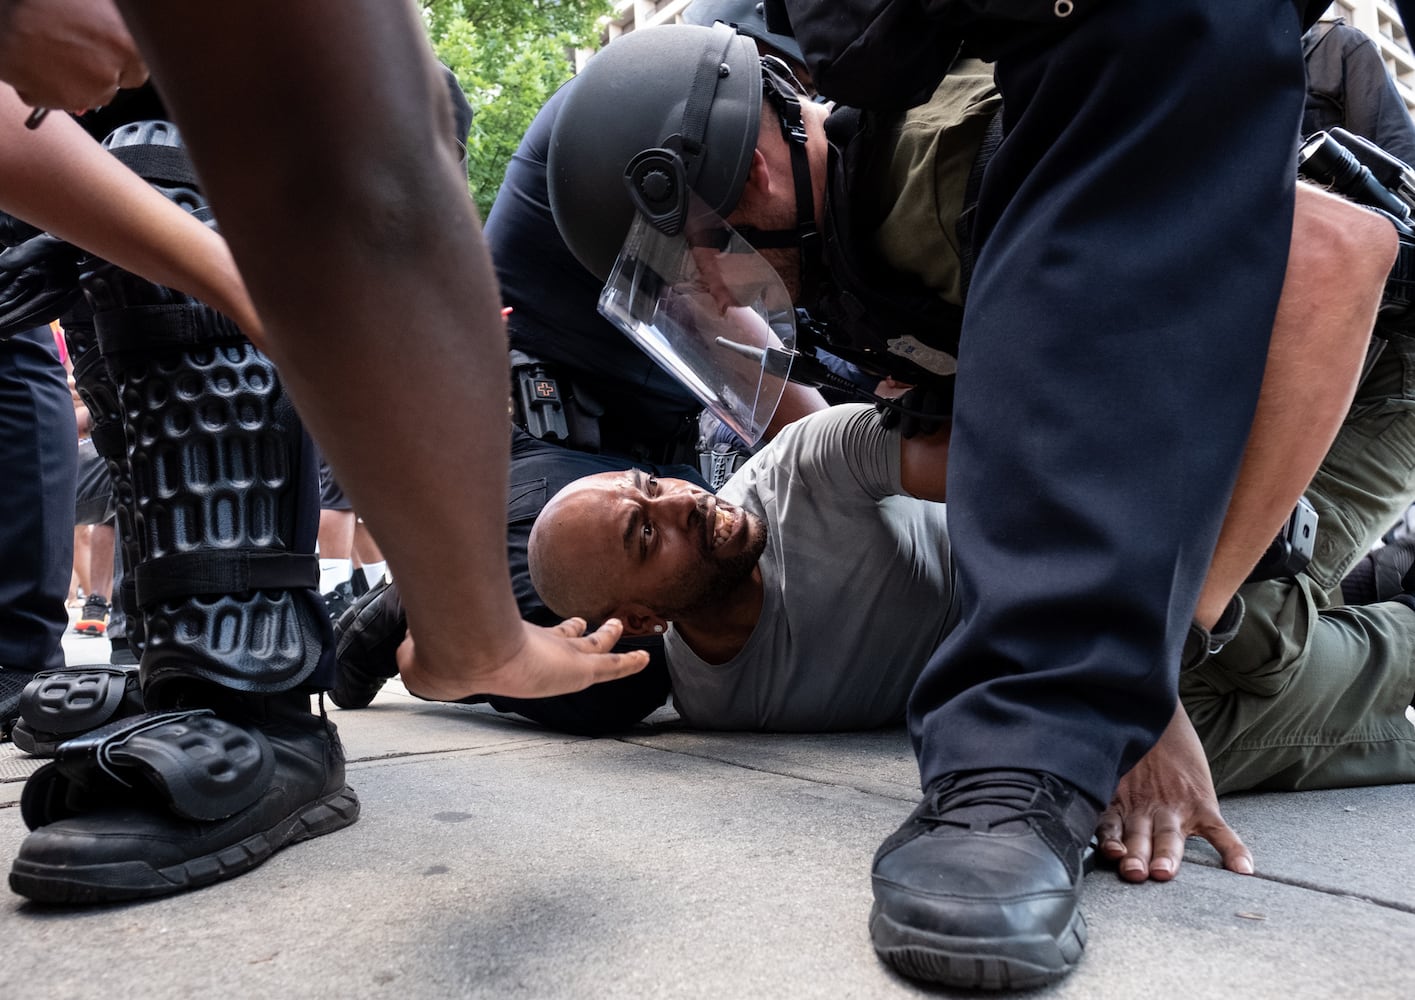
pixel 858 586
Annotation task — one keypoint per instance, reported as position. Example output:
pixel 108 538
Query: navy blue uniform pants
pixel 1134 228
pixel 38 469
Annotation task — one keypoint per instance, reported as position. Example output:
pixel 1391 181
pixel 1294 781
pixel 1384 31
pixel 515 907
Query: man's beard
pixel 716 579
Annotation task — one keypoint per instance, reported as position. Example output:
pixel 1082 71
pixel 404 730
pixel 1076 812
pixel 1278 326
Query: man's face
pixel 663 543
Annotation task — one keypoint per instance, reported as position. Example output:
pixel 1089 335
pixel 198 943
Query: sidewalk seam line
pixel 765 770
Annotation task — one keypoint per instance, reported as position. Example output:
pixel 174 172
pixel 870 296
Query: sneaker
pixel 339 600
pixel 979 889
pixel 122 654
pixel 93 619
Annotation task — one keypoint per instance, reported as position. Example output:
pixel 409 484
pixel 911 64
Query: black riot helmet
pixel 688 98
pixel 749 18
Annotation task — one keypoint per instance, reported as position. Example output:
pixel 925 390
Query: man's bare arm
pixel 923 464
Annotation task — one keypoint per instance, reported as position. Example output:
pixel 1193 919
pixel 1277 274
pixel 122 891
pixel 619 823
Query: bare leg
pixel 80 578
pixel 336 534
pixel 100 559
pixel 366 550
pixel 332 174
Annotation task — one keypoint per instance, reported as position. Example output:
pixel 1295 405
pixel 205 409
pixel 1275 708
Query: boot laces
pixel 983 802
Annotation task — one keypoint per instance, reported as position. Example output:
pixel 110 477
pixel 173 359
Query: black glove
pixel 922 410
pixel 15 231
pixel 39 281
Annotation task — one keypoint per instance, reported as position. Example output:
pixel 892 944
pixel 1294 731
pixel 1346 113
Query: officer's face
pixel 664 543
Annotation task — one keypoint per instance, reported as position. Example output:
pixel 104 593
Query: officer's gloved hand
pixel 15 231
pixel 38 283
pixel 928 409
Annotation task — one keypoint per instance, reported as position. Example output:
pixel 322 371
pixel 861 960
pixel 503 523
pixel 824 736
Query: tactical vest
pixel 883 321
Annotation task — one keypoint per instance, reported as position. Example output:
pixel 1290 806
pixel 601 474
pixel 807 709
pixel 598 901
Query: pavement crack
pixel 765 770
pixel 1310 886
pixel 485 751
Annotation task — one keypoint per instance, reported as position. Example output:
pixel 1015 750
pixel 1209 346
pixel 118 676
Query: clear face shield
pixel 705 306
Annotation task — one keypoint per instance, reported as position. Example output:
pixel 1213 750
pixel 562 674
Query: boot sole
pixel 1013 963
pixel 113 883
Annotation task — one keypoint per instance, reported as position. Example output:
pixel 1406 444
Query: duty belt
pixel 550 406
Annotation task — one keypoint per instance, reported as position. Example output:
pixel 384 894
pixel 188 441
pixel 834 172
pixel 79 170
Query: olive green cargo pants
pixel 1312 693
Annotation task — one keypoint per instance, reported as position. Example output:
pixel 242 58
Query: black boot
pixel 154 821
pixel 58 705
pixel 980 887
pixel 367 637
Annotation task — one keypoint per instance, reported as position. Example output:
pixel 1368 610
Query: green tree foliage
pixel 509 56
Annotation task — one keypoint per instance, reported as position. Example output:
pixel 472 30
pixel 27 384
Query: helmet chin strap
pixel 806 236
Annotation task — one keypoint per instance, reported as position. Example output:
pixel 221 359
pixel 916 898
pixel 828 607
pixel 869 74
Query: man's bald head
pixel 561 572
pixel 647 550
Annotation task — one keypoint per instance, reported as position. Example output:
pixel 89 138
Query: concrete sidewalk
pixel 494 859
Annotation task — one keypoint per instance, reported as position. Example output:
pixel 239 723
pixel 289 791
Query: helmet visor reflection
pixel 703 304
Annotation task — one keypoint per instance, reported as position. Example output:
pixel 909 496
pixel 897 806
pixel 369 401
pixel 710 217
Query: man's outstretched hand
pixel 1168 796
pixel 548 661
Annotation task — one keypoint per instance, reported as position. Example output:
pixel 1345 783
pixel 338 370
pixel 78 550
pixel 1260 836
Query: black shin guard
pixel 224 504
pixel 236 637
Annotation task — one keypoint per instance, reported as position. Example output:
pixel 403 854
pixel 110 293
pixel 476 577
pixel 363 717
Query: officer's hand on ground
pixel 67 54
pixel 1168 796
pixel 548 661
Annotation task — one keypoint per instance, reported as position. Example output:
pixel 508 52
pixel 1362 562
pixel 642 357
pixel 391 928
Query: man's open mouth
pixel 724 521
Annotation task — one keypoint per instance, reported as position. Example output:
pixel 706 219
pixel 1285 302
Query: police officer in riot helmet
pixel 769 184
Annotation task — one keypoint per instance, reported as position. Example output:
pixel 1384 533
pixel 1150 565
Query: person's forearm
pixel 57 178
